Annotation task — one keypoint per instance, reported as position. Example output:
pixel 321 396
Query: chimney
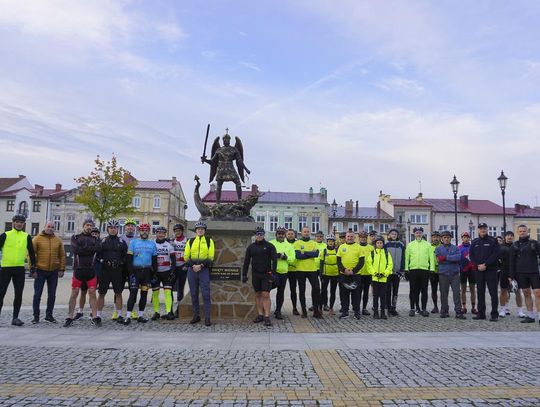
pixel 464 200
pixel 348 206
pixel 419 197
pixel 254 189
pixel 22 176
pixel 311 190
pixel 357 207
pixel 520 207
pixel 57 187
pixel 212 187
pixel 174 181
pixel 323 192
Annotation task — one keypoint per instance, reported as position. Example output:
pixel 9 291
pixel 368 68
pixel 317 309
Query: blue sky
pixel 352 95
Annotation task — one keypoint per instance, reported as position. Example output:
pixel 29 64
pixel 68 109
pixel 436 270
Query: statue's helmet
pixel 227 137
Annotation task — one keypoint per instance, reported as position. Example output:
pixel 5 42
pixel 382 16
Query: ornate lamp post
pixel 502 183
pixel 334 210
pixel 455 186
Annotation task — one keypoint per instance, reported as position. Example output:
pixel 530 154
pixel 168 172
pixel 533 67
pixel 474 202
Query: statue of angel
pixel 221 164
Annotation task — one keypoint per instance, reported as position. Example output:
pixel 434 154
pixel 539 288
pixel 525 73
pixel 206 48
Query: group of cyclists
pixel 356 264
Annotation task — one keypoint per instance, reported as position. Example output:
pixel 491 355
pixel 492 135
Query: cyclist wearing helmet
pixel 112 257
pixel 449 258
pixel 164 275
pixel 142 264
pixel 84 288
pixel 329 273
pixel 434 276
pixel 380 266
pixel 291 273
pixel 263 258
pixel 505 279
pixel 365 276
pixel 14 245
pixel 130 227
pixel 396 248
pixel 179 245
pixel 85 247
pixel 199 256
pixel 350 261
pixel 286 258
pixel 467 273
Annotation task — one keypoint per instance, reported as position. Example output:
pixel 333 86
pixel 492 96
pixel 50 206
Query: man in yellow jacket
pixel 286 258
pixel 199 256
pixel 350 261
pixel 307 255
pixel 50 264
pixel 380 266
pixel 419 263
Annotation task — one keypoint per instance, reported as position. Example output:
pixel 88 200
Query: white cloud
pixel 404 85
pixel 170 31
pixel 250 65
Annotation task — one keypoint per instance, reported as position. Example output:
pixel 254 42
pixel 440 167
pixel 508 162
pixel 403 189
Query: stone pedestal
pixel 230 299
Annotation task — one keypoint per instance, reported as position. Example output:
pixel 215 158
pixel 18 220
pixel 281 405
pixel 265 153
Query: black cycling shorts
pixel 84 274
pixel 114 276
pixel 528 280
pixel 465 276
pixel 261 282
pixel 503 280
pixel 140 278
pixel 163 278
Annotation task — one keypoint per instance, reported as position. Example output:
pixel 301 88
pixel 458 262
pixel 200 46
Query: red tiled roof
pixel 7 182
pixel 154 185
pixel 271 197
pixel 527 213
pixel 363 213
pixel 475 206
pixel 409 202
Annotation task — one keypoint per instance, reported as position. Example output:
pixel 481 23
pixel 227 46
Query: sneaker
pixel 278 315
pixel 120 320
pixel 127 321
pixel 325 308
pixel 383 315
pixel 494 319
pixel 435 310
pixel 155 317
pixel 474 310
pixel 344 315
pixel 207 322
pixel 460 316
pixel 258 318
pixel 194 320
pixel 96 321
pixel 142 320
pixel 357 315
pixel 521 314
pixel 376 314
pixel 393 313
pixel 507 311
pixel 418 312
pixel 478 317
pixel 51 319
pixel 502 313
pixel 295 311
pixel 444 315
pixel 78 315
pixel 169 316
pixel 114 316
pixel 18 322
pixel 365 312
pixel 424 313
pixel 68 323
pixel 304 314
pixel 527 320
pixel 267 322
pixel 412 313
pixel 35 320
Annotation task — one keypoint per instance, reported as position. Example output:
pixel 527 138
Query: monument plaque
pixel 225 274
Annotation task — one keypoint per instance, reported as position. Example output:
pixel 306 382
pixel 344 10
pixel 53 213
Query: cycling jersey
pixel 179 246
pixel 164 251
pixel 142 251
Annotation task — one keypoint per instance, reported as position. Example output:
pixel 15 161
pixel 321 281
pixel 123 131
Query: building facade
pixel 356 218
pixel 525 215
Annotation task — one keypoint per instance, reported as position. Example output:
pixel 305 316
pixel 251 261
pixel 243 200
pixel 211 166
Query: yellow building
pixel 525 215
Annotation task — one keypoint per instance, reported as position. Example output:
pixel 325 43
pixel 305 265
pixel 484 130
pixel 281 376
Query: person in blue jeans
pixel 50 264
pixel 199 256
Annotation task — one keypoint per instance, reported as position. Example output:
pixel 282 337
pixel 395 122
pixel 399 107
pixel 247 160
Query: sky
pixel 355 96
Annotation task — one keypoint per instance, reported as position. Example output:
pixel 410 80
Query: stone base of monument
pixel 231 299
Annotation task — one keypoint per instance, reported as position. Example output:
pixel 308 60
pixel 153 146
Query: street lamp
pixel 502 183
pixel 334 207
pixel 455 186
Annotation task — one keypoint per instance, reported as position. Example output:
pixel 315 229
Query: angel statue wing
pixel 240 160
pixel 213 160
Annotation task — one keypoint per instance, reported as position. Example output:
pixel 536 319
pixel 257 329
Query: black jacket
pixel 504 258
pixel 263 258
pixel 113 251
pixel 524 257
pixel 486 251
pixel 85 247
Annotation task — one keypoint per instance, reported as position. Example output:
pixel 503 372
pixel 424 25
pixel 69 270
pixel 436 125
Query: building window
pixel 137 201
pixel 384 227
pixel 302 222
pixel 155 224
pixel 10 205
pixel 337 227
pixel 36 207
pixel 315 224
pixel 157 202
pixel 443 228
pixel 260 218
pixel 70 224
pixel 453 231
pixel 273 223
pixel 8 226
pixel 368 227
pixel 23 208
pixel 492 231
pixel 288 222
pixel 354 227
pixel 418 219
pixel 56 221
pixel 35 229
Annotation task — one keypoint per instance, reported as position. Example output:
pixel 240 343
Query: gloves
pixel 379 275
pixel 406 274
pixel 284 256
pixel 441 259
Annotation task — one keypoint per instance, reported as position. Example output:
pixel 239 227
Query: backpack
pixel 193 239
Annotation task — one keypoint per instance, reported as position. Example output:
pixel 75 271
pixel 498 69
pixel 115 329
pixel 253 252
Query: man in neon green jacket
pixel 286 257
pixel 419 262
pixel 380 265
